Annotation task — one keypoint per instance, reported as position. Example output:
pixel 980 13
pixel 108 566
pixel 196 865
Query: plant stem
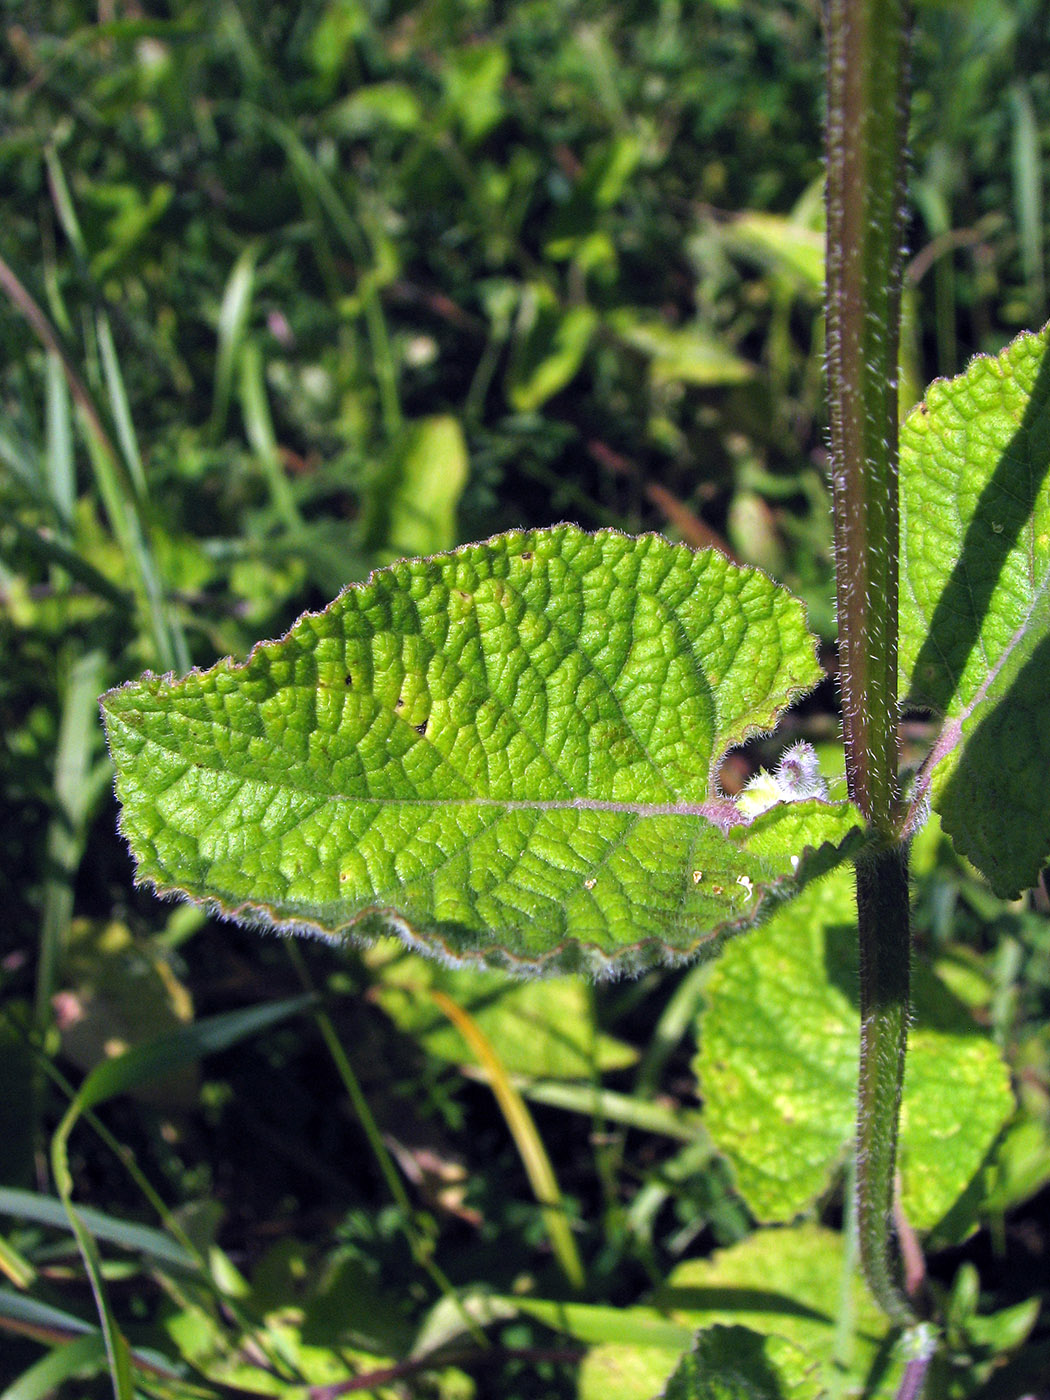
pixel 867 122
pixel 867 116
pixel 882 914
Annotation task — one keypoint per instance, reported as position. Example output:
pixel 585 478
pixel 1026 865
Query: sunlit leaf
pixel 508 753
pixel 975 603
pixel 780 1086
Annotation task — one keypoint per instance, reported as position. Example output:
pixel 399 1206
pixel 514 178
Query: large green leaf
pixel 507 753
pixel 780 1088
pixel 975 603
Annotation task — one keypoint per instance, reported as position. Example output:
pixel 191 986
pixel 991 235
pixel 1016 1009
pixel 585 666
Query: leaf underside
pixel 975 603
pixel 508 753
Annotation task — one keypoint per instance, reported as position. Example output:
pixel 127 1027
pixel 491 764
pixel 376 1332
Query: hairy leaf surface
pixel 975 603
pixel 508 753
pixel 780 1088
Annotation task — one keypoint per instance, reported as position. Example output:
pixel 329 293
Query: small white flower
pixel 797 777
pixel 798 773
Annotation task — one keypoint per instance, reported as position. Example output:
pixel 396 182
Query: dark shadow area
pixel 994 805
pixel 745 1300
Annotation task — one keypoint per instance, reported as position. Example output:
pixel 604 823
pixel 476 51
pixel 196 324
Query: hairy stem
pixel 867 121
pixel 867 116
pixel 882 910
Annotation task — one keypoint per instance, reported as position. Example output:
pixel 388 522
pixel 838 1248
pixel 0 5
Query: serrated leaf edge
pixel 571 955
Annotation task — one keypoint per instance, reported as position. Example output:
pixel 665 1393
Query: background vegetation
pixel 290 291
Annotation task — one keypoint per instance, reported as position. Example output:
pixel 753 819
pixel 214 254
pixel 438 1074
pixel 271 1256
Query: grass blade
pixel 527 1140
pixel 155 1245
pixel 420 1248
pixel 78 741
pixel 259 425
pixel 320 191
pixel 234 315
pixel 15 1266
pixel 58 453
pixel 78 1359
pixel 114 1076
pixel 45 1323
pixel 590 1100
pixel 124 519
pixel 119 407
pixel 168 1053
pixel 50 549
pixel 1028 193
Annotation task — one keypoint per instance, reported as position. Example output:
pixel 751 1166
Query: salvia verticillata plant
pixel 509 754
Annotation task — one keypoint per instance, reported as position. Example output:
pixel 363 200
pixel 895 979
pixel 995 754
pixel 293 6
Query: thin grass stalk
pixel 522 1128
pixel 78 741
pixel 418 1247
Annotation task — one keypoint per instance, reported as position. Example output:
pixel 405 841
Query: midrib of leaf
pixel 721 811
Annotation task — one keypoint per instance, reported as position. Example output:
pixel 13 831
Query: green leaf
pixel 543 1027
pixel 159 1248
pixel 549 347
pixel 734 1363
pixel 596 1324
pixel 785 1284
pixel 975 603
pixel 235 1364
pixel 371 109
pixel 34 1318
pixel 414 507
pixel 234 320
pixel 504 754
pixel 680 354
pixel 780 1088
pixel 785 245
pixel 82 1358
pixel 473 80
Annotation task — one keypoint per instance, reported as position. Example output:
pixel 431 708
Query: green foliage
pixel 785 1285
pixel 779 1088
pixel 731 1363
pixel 331 283
pixel 542 1028
pixel 975 608
pixel 509 753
